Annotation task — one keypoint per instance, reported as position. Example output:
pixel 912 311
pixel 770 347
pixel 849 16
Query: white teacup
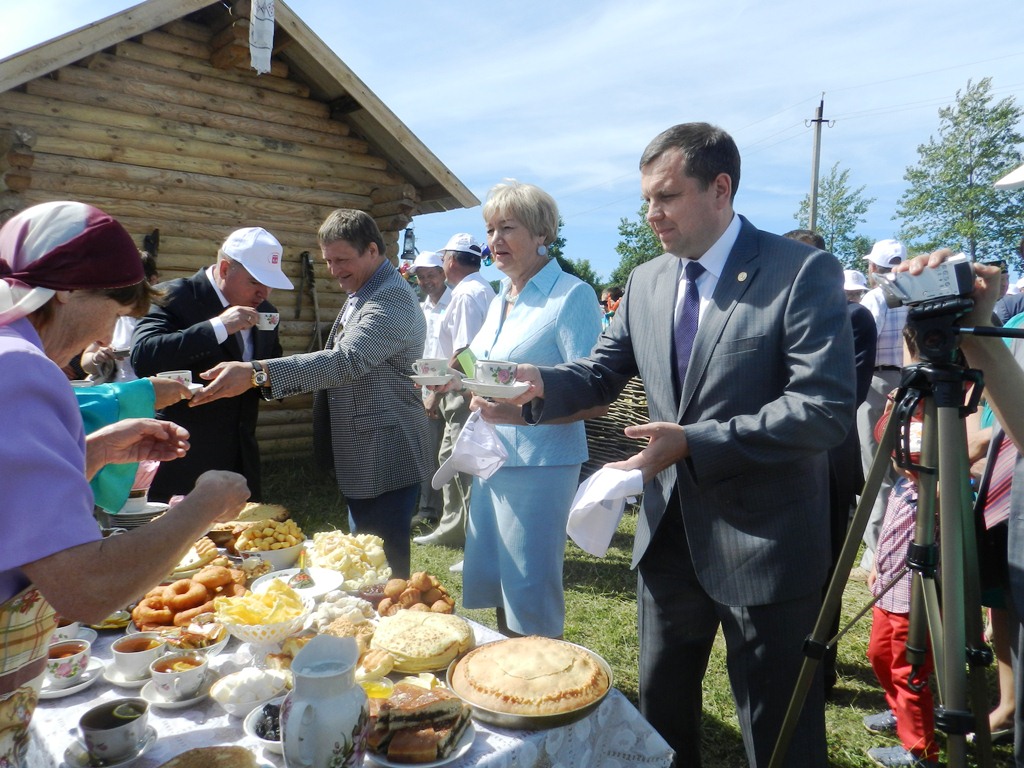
pixel 500 372
pixel 114 731
pixel 67 662
pixel 431 366
pixel 66 630
pixel 184 377
pixel 268 321
pixel 179 676
pixel 134 653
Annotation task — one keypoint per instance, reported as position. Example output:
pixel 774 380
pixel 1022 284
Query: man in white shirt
pixel 429 273
pixel 889 322
pixel 471 296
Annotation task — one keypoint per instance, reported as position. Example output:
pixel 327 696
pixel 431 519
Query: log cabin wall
pixel 169 130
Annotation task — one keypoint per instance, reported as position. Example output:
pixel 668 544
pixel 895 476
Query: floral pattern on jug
pixel 325 719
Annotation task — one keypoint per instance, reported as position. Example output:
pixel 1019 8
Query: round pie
pixel 530 676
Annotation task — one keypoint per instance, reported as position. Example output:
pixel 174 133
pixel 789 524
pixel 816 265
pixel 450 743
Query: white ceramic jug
pixel 325 718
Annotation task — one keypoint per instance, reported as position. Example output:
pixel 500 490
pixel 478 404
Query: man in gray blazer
pixel 368 419
pixel 734 528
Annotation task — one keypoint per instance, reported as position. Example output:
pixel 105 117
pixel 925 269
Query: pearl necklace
pixel 510 298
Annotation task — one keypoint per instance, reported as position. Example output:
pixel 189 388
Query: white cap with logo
pixel 426 259
pixel 260 253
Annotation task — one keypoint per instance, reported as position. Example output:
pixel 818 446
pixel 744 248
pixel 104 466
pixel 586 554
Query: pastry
pixel 213 757
pixel 530 676
pixel 422 641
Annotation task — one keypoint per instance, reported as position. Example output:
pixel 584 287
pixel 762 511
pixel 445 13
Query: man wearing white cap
pixel 889 322
pixel 471 296
pixel 209 318
pixel 429 272
pixel 855 285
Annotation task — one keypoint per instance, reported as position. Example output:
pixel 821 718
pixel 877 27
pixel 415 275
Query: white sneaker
pixel 457 568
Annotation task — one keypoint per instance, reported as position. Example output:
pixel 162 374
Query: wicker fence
pixel 604 435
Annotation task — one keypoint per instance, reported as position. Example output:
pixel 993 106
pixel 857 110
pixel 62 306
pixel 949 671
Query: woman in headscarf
pixel 67 272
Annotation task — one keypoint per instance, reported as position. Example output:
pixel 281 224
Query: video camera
pixel 951 279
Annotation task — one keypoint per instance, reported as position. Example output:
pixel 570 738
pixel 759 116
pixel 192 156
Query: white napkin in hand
pixel 477 451
pixel 598 507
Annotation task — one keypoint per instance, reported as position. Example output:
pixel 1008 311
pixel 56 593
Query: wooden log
pixel 16 180
pixel 10 203
pixel 197 49
pixel 253 93
pixel 139 52
pixel 315 144
pixel 208 142
pixel 283 416
pixel 396 192
pixel 202 52
pixel 247 207
pixel 284 431
pixel 241 105
pixel 153 108
pixel 273 168
pixel 189 30
pixel 161 179
pixel 395 207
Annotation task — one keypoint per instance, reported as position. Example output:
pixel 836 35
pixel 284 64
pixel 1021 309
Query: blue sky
pixel 566 95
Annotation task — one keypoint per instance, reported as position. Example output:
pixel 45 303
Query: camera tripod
pixel 935 386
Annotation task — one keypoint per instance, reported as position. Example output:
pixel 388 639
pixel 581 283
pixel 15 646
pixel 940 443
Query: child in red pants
pixel 911 709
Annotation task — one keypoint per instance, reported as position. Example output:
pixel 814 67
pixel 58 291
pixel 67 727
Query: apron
pixel 26 623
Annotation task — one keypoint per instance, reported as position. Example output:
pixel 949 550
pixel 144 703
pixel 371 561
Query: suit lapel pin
pixel 742 277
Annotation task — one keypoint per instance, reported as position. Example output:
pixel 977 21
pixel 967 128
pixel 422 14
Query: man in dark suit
pixel 734 526
pixel 209 318
pixel 369 424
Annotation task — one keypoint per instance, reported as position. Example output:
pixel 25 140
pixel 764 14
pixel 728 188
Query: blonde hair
pixel 530 205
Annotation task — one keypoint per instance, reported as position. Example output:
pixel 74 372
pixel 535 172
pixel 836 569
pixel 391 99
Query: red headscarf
pixel 62 246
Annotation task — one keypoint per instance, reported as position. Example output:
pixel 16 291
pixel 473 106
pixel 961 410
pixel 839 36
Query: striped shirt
pixel 889 322
pixel 897 533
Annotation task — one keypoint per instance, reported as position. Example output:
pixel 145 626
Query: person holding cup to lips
pixel 219 314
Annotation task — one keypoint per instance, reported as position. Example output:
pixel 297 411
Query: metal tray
pixel 533 722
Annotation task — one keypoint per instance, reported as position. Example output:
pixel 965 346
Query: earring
pixel 542 250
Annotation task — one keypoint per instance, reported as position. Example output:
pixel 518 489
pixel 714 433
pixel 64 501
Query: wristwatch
pixel 259 376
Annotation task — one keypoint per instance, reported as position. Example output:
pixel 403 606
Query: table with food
pixel 265 648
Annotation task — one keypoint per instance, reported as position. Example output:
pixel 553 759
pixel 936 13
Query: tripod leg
pixel 814 646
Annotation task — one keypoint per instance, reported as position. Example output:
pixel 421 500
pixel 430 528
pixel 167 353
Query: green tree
pixel 951 201
pixel 840 210
pixel 581 268
pixel 637 244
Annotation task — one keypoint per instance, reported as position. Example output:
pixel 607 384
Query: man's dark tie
pixel 686 327
pixel 996 504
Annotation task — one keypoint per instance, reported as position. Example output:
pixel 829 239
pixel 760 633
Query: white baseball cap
pixel 465 243
pixel 887 253
pixel 1013 180
pixel 260 253
pixel 854 280
pixel 426 259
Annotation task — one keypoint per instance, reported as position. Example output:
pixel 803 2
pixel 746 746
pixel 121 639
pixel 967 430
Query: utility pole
pixel 815 160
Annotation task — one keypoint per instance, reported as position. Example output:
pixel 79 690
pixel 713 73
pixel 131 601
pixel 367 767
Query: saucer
pixel 77 756
pixel 89 676
pixel 193 388
pixel 500 391
pixel 432 381
pixel 156 700
pixel 87 633
pixel 114 676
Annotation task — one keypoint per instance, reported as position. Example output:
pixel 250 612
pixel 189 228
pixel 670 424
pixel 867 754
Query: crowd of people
pixel 768 372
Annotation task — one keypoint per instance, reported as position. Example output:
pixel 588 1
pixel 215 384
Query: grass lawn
pixel 601 615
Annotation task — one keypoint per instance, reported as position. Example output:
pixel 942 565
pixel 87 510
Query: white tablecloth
pixel 614 735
